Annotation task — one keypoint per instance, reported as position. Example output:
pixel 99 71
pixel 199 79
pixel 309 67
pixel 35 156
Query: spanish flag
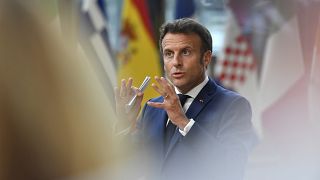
pixel 139 55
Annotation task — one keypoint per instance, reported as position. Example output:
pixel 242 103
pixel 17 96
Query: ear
pixel 207 58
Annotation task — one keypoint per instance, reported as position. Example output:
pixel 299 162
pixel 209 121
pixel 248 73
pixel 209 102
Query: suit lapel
pixel 177 135
pixel 196 106
pixel 204 96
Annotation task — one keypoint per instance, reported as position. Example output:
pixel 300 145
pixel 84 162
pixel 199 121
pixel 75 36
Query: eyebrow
pixel 184 47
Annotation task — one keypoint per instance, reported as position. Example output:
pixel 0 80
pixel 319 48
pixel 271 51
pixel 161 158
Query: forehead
pixel 180 40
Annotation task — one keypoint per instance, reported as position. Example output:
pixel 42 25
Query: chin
pixel 179 84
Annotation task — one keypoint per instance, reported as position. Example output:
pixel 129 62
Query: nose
pixel 177 60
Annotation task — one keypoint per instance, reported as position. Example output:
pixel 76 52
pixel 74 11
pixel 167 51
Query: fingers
pixel 165 89
pixel 129 91
pixel 168 87
pixel 126 89
pixel 160 91
pixel 123 95
pixel 123 89
pixel 139 96
pixel 156 104
pixel 138 102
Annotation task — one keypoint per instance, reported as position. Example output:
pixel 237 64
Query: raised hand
pixel 122 96
pixel 171 103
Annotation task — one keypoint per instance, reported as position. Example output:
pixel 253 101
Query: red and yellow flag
pixel 139 55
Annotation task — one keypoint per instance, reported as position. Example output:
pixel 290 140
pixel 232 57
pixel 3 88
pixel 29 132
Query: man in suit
pixel 209 135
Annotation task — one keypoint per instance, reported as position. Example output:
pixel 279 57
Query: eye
pixel 186 52
pixel 168 54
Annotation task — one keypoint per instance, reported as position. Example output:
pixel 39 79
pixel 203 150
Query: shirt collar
pixel 195 91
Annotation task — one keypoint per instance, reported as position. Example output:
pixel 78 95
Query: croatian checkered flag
pixel 236 62
pixel 236 69
pixel 95 42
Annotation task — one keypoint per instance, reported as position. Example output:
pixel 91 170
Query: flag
pixel 95 42
pixel 236 62
pixel 283 84
pixel 281 69
pixel 284 104
pixel 236 67
pixel 185 8
pixel 314 87
pixel 314 93
pixel 280 95
pixel 157 10
pixel 138 56
pixel 285 97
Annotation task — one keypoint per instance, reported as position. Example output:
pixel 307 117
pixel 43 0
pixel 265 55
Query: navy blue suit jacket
pixel 217 145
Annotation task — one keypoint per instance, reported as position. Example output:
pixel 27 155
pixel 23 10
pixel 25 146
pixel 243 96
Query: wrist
pixel 183 123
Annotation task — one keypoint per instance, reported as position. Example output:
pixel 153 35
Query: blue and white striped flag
pixel 95 41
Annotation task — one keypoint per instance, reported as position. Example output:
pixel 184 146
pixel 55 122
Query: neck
pixel 187 89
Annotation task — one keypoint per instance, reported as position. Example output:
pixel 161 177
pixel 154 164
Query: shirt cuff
pixel 187 128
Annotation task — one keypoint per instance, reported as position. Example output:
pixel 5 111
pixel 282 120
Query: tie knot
pixel 183 98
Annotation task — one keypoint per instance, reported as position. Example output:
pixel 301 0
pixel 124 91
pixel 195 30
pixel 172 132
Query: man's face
pixel 184 64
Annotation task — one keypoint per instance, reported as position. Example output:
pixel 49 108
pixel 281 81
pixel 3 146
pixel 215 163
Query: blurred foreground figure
pixel 53 111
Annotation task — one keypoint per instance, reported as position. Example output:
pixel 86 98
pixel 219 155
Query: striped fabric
pixel 95 42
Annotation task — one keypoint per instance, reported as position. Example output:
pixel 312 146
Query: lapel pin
pixel 201 100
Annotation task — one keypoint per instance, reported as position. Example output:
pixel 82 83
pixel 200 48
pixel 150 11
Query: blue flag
pixel 184 8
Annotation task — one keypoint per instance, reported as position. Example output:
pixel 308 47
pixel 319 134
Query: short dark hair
pixel 187 26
